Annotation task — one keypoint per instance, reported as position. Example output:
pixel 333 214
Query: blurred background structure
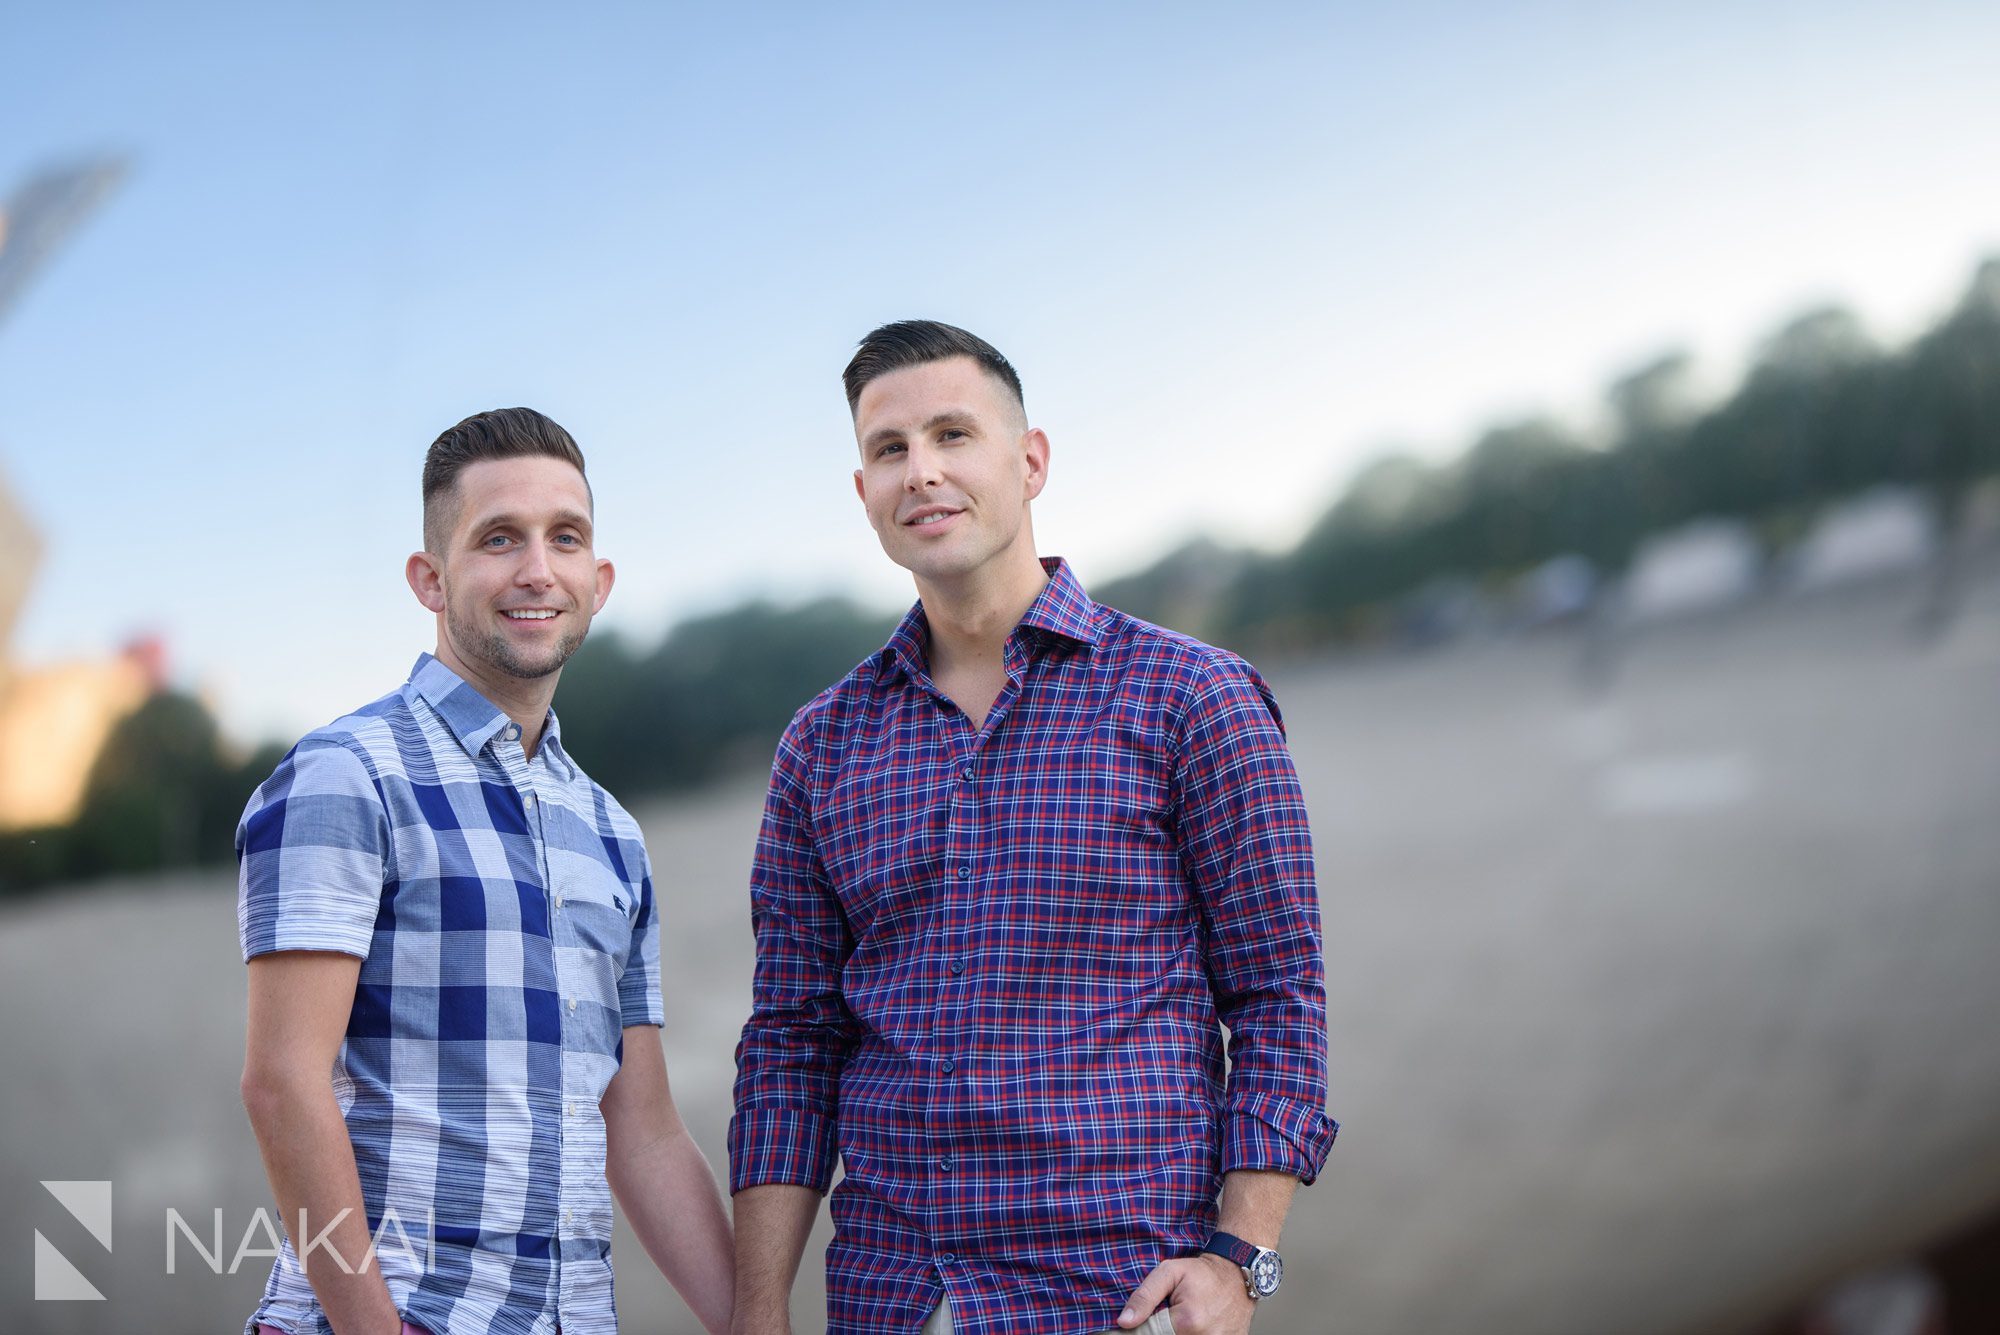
pixel 54 720
pixel 1590 423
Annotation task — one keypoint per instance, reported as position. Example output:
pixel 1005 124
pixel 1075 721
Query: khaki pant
pixel 1161 1322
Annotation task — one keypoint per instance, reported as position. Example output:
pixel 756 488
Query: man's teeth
pixel 932 519
pixel 528 616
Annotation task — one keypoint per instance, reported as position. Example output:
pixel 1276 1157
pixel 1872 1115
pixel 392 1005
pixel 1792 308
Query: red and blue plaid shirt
pixel 991 964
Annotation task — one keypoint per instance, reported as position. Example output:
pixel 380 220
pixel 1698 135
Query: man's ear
pixel 1035 444
pixel 605 575
pixel 426 576
pixel 860 492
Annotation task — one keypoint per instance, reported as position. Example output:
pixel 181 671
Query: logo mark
pixel 56 1279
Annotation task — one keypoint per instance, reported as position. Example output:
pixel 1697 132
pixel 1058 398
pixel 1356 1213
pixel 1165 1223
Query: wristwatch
pixel 1263 1269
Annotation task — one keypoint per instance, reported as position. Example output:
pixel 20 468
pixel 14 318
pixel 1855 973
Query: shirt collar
pixel 1061 609
pixel 472 718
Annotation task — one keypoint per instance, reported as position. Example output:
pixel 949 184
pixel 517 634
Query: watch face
pixel 1265 1273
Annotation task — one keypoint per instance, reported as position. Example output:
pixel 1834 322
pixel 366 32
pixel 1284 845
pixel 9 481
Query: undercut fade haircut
pixel 503 433
pixel 907 343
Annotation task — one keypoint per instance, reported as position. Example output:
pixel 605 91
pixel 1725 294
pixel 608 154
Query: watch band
pixel 1263 1269
pixel 1233 1248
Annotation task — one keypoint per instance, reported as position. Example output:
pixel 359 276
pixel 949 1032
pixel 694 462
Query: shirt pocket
pixel 596 910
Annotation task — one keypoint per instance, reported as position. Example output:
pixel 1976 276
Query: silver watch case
pixel 1263 1275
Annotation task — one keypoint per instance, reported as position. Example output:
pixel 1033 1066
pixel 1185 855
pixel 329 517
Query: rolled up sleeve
pixel 800 1031
pixel 1247 850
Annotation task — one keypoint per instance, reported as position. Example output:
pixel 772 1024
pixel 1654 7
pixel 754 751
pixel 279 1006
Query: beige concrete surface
pixel 1649 1008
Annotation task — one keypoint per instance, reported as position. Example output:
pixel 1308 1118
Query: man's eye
pixel 950 433
pixel 892 447
pixel 498 540
pixel 569 540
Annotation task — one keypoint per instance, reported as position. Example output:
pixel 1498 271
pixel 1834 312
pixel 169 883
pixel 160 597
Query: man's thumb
pixel 1150 1293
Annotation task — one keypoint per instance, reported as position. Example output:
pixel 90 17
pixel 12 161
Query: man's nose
pixel 534 571
pixel 920 468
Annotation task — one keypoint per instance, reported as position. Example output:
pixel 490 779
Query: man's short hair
pixel 907 343
pixel 503 433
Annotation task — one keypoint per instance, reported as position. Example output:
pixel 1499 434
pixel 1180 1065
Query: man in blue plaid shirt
pixel 1016 872
pixel 454 1055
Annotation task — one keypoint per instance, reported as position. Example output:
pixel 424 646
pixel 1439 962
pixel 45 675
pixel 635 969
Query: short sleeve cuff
pixel 345 941
pixel 639 1000
pixel 1277 1134
pixel 789 1146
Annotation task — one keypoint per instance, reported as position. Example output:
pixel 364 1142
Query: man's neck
pixel 971 620
pixel 524 700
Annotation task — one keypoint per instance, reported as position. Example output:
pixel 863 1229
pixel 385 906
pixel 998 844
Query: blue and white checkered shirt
pixel 503 911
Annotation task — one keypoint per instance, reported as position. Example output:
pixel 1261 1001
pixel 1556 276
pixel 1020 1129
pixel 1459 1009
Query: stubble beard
pixel 492 649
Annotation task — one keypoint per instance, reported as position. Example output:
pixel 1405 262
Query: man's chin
pixel 529 672
pixel 932 564
pixel 535 669
pixel 506 659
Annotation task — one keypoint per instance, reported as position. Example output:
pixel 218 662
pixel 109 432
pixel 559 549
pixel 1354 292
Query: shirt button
pixel 558 899
pixel 966 774
pixel 529 801
pixel 944 1164
pixel 572 1003
pixel 948 1258
pixel 570 1108
pixel 946 1066
pixel 958 966
pixel 964 873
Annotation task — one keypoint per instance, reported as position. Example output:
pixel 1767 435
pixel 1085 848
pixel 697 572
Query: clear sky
pixel 1234 250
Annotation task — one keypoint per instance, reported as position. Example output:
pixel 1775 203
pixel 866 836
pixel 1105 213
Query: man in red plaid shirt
pixel 1016 872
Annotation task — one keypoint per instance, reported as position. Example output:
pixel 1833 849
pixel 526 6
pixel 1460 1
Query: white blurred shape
pixel 1880 532
pixel 1657 785
pixel 1709 563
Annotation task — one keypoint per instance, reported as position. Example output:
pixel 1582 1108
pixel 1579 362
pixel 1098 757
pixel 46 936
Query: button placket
pixel 960 843
pixel 520 771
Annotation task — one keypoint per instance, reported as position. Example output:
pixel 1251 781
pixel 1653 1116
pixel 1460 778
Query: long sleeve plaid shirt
pixel 991 964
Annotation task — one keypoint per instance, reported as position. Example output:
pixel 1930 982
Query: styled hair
pixel 907 343
pixel 503 433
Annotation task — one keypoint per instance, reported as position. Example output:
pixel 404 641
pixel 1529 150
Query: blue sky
pixel 1234 252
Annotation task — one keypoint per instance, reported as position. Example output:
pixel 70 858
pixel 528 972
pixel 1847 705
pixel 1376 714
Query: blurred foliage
pixel 163 794
pixel 713 696
pixel 1821 413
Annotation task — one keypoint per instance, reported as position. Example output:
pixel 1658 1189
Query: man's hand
pixel 1206 1292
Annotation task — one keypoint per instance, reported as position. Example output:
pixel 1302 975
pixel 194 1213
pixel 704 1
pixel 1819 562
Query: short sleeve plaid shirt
pixel 991 965
pixel 503 911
